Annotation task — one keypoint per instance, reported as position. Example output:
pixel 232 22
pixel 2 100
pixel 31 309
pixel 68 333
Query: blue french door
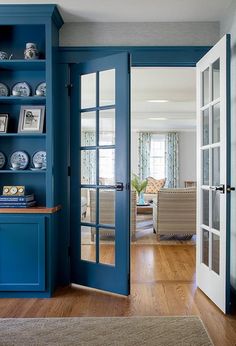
pixel 100 173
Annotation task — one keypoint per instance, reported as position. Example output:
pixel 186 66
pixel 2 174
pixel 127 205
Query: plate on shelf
pixel 40 157
pixel 15 169
pixel 22 88
pixel 21 158
pixel 41 89
pixel 4 91
pixel 37 169
pixel 2 160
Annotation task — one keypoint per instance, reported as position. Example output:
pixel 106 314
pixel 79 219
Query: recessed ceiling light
pixel 157 119
pixel 158 101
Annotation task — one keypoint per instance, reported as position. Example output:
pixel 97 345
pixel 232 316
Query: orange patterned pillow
pixel 154 185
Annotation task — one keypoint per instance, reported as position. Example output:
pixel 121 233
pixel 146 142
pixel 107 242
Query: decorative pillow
pixel 154 185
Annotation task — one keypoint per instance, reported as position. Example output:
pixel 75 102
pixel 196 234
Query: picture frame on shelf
pixel 4 122
pixel 31 119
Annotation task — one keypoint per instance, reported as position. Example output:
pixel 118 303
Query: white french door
pixel 213 93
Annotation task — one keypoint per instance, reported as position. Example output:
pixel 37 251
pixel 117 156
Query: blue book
pixel 18 205
pixel 27 198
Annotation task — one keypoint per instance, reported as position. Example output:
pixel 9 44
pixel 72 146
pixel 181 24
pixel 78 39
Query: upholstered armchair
pixel 174 213
pixel 107 211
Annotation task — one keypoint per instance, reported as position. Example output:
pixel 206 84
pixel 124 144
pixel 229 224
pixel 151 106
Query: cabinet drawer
pixel 22 253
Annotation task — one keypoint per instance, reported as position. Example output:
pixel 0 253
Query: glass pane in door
pixel 107 206
pixel 88 167
pixel 205 209
pixel 88 205
pixel 88 90
pixel 107 166
pixel 205 126
pixel 107 127
pixel 107 88
pixel 216 79
pixel 88 129
pixel 216 123
pixel 215 253
pixel 205 87
pixel 216 166
pixel 107 246
pixel 205 166
pixel 88 243
pixel 205 247
pixel 216 210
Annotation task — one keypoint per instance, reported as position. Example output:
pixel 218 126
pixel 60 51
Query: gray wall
pixel 228 25
pixel 140 34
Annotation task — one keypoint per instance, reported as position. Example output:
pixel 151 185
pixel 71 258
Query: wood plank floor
pixel 163 283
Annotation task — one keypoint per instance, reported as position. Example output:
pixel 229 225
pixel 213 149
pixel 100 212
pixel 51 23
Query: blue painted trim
pixel 16 11
pixel 142 56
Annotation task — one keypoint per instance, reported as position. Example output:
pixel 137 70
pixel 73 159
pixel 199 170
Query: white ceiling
pixel 177 85
pixel 136 10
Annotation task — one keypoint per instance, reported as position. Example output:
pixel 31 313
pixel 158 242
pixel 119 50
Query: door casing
pixel 141 56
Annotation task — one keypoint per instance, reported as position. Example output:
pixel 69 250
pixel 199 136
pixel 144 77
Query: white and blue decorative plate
pixel 23 88
pixel 2 160
pixel 20 157
pixel 4 91
pixel 42 88
pixel 40 157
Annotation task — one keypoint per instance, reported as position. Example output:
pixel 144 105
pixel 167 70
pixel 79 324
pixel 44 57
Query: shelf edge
pixel 35 210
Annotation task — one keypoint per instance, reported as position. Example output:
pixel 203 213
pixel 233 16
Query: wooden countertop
pixel 34 210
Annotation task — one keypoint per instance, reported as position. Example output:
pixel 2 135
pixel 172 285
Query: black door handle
pixel 220 188
pixel 119 186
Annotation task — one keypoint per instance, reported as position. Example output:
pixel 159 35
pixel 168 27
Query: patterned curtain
pixel 172 160
pixel 88 159
pixel 144 141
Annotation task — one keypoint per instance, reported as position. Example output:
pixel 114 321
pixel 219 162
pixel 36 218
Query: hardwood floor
pixel 163 283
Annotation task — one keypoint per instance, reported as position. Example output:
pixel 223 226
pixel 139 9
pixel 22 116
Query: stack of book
pixel 17 201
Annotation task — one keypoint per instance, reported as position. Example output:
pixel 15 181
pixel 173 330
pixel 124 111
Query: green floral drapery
pixel 144 146
pixel 88 159
pixel 172 160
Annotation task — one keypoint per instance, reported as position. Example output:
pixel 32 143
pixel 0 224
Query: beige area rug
pixel 104 331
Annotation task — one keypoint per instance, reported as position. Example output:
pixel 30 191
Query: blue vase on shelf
pixel 141 199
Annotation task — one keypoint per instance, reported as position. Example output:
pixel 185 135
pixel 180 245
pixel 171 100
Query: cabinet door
pixel 22 253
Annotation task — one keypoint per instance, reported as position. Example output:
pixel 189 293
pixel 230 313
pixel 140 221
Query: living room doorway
pixel 163 166
pixel 163 155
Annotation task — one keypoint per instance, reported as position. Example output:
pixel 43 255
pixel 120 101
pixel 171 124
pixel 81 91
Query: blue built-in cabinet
pixel 33 244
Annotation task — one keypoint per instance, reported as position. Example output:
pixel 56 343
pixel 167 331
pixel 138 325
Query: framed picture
pixel 3 122
pixel 31 119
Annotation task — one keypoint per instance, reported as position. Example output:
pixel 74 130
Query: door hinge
pixel 69 251
pixel 69 87
pixel 69 171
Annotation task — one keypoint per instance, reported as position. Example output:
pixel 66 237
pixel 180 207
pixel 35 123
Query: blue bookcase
pixel 32 243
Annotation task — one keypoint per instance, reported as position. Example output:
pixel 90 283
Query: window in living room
pixel 157 156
